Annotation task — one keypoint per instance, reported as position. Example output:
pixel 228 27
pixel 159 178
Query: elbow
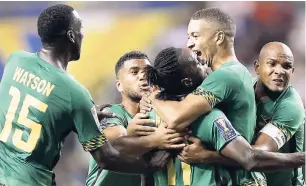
pixel 249 166
pixel 108 155
pixel 174 122
pixel 249 163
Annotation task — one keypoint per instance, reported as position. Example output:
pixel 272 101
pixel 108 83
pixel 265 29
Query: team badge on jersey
pixel 225 128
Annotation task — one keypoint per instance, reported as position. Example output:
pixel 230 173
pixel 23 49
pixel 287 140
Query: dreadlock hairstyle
pixel 166 74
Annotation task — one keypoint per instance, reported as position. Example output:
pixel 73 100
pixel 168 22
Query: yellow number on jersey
pixel 172 173
pixel 29 100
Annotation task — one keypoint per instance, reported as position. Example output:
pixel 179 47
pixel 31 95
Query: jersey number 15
pixel 29 145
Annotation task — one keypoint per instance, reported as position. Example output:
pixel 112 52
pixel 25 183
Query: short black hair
pixel 53 22
pixel 128 56
pixel 166 74
pixel 216 15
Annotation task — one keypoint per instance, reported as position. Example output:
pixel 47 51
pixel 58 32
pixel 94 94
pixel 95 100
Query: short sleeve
pixel 222 133
pixel 118 120
pixel 288 117
pixel 85 120
pixel 217 87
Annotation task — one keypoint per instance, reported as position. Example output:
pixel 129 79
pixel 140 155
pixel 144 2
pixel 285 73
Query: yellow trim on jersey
pixel 94 143
pixel 209 96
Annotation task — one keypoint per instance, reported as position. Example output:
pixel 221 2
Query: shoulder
pixel 20 54
pixel 121 117
pixel 117 109
pixel 76 88
pixel 225 74
pixel 290 98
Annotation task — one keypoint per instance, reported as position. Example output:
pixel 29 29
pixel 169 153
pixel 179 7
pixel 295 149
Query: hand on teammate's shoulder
pixel 103 111
pixel 141 125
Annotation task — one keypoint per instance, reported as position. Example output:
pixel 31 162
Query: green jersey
pixel 99 177
pixel 40 106
pixel 215 131
pixel 282 118
pixel 230 89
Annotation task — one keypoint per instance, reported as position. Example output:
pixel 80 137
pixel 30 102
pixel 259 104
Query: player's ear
pixel 256 67
pixel 186 82
pixel 220 37
pixel 71 36
pixel 293 69
pixel 119 85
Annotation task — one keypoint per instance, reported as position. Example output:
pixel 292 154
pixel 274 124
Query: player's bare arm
pixel 239 150
pixel 179 115
pixel 197 153
pixel 137 146
pixel 107 157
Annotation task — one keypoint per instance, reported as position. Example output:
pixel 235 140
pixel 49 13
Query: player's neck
pixel 130 106
pixel 222 57
pixel 262 92
pixel 54 57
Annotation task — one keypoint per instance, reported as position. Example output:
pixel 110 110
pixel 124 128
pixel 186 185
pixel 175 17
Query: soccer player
pixel 211 35
pixel 41 104
pixel 130 71
pixel 177 72
pixel 280 111
pixel 280 114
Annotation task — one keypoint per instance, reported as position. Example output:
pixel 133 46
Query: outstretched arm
pixel 241 151
pixel 197 153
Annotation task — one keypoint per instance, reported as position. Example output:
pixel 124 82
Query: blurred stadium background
pixel 113 28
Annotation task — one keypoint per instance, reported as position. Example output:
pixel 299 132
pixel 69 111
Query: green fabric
pixel 287 113
pixel 109 178
pixel 47 104
pixel 215 131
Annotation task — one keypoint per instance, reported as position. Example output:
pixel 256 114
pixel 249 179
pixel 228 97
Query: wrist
pixel 208 156
pixel 152 141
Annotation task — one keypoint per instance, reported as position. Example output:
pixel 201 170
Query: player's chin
pixel 145 91
pixel 276 88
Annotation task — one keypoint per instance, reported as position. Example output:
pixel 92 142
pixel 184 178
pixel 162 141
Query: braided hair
pixel 166 74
